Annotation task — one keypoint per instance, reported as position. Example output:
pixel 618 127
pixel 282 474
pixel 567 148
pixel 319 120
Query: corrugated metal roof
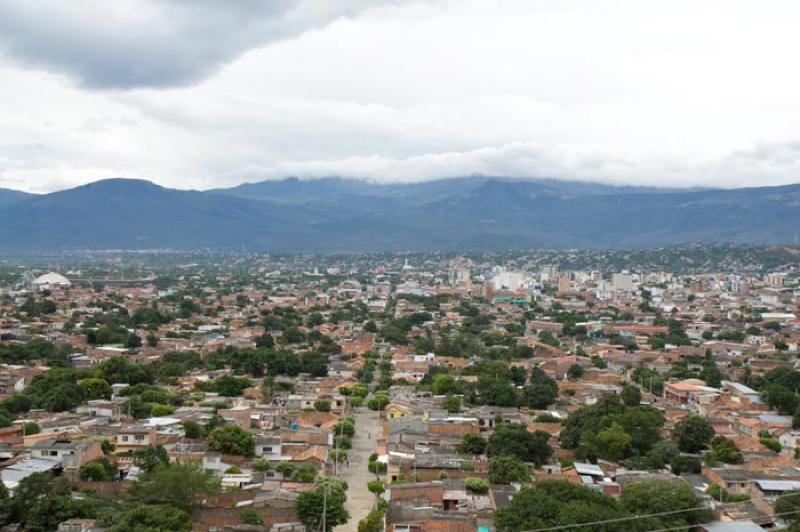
pixel 778 485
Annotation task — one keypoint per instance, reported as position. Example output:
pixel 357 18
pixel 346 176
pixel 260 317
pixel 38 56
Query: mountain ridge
pixel 337 214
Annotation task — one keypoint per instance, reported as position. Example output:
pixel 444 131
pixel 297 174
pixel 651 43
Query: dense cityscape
pixel 401 392
pixel 399 266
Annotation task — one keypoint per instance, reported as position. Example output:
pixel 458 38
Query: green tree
pixel 292 335
pixel 251 517
pixel 781 398
pixel 693 433
pixel 497 391
pixel 260 464
pixel 724 450
pixel 6 506
pixel 711 374
pixel 134 341
pixel 686 464
pixel 265 340
pixel 152 340
pixel 120 370
pixel 150 457
pixel 356 401
pixel 92 471
pixel 445 384
pixel 107 446
pixel 613 443
pixel 376 487
pixel 230 386
pixel 472 444
pixel 232 439
pixel 345 426
pixel 151 518
pixel 192 429
pixel 479 486
pixel 631 395
pixel 180 485
pixel 98 470
pixel 322 405
pixel 507 469
pixel 541 392
pixel 643 424
pixel 378 401
pixel 660 497
pixel 48 512
pixel 373 522
pixel 158 410
pixel 575 372
pixel 95 388
pixel 452 404
pixel 34 488
pixel 555 503
pixel 788 506
pixel 304 473
pixel 515 440
pixel 325 503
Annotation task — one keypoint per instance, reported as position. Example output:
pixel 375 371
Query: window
pixel 139 438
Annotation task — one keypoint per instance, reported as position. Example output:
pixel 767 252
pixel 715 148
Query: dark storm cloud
pixel 144 43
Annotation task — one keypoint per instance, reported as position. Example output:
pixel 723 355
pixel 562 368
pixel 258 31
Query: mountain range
pixel 336 214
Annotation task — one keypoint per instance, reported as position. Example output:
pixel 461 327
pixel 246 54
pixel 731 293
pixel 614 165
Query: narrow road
pixel 359 499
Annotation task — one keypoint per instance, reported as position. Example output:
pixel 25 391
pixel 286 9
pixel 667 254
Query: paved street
pixel 359 499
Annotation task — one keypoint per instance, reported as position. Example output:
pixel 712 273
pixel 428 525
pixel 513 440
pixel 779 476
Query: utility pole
pixel 336 451
pixel 324 507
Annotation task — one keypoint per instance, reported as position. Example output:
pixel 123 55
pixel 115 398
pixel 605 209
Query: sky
pixel 212 93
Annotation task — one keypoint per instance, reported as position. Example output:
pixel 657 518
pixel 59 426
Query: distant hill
pixel 8 196
pixel 134 214
pixel 336 214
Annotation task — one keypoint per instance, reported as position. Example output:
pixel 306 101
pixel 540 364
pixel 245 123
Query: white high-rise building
pixel 622 282
pixel 511 281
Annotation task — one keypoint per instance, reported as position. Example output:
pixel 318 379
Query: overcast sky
pixel 206 93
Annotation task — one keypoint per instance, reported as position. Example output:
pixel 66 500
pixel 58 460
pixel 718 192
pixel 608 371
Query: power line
pixel 633 517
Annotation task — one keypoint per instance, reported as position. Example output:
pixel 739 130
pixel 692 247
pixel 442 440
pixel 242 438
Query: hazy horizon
pixel 390 183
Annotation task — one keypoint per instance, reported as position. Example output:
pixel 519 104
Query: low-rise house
pixel 269 448
pixel 239 415
pixel 687 391
pixel 72 454
pixel 15 473
pixel 135 437
pixel 100 408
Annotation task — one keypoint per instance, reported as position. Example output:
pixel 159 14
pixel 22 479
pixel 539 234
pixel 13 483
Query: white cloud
pixel 153 43
pixel 681 93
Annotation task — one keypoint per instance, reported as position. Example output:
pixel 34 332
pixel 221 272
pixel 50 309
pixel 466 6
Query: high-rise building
pixel 564 284
pixel 549 273
pixel 775 280
pixel 622 282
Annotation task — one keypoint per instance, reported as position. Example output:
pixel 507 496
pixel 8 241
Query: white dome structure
pixel 51 280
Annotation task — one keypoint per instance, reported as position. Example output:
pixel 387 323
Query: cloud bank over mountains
pixel 212 93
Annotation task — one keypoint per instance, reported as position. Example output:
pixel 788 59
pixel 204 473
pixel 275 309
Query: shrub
pixel 479 486
pixel 376 486
pixel 322 405
pixel 378 468
pixel 260 464
pixel 251 517
pixel 98 470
